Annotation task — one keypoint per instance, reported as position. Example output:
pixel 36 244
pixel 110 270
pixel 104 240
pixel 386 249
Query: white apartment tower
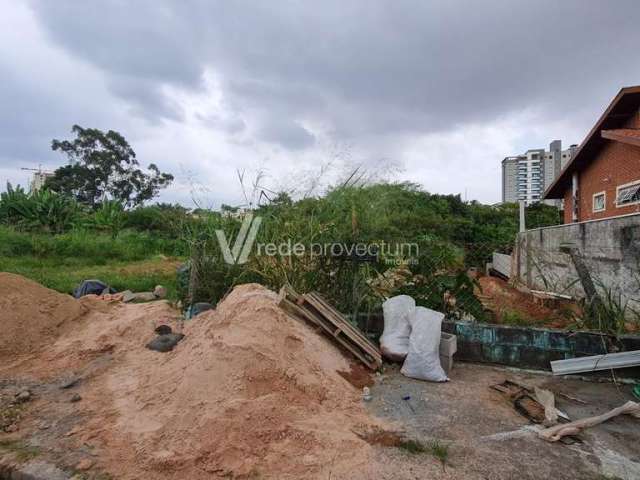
pixel 525 177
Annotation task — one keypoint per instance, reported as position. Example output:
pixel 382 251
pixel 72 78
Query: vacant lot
pixel 134 261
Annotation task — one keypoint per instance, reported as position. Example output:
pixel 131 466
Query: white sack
pixel 423 359
pixel 394 342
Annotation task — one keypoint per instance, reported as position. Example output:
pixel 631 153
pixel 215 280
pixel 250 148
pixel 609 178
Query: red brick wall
pixel 616 164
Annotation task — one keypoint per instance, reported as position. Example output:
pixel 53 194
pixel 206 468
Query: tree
pixel 103 166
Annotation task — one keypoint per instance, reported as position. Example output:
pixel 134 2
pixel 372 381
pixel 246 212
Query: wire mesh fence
pixel 440 275
pixel 532 286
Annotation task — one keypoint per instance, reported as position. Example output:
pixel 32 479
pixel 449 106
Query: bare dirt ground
pixel 489 439
pixel 503 299
pixel 252 393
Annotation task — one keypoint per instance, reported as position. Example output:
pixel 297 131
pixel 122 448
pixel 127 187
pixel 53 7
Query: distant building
pixel 38 179
pixel 603 178
pixel 525 177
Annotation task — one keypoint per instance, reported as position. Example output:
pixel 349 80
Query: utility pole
pixel 523 227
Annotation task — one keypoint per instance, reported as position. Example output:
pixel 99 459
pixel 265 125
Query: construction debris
pixel 316 310
pixel 399 331
pixel 160 292
pixel 92 287
pixel 165 343
pixel 523 400
pixel 197 308
pixel 572 398
pixel 548 401
pixel 130 297
pixel 423 359
pixel 448 348
pixel 554 434
pixel 394 342
pixel 595 363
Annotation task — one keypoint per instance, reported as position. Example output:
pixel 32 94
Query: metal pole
pixel 522 224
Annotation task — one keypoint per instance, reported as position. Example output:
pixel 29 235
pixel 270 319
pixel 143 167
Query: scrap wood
pixel 317 311
pixel 554 434
pixel 523 400
pixel 548 401
pixel 573 399
pixel 537 405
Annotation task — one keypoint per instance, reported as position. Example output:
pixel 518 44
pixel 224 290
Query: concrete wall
pixel 502 263
pixel 610 249
pixel 522 347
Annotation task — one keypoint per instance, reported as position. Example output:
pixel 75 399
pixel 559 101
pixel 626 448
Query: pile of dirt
pixel 31 315
pixel 250 392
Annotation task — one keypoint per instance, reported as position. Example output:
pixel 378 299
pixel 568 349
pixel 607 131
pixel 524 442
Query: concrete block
pixel 446 363
pixel 448 344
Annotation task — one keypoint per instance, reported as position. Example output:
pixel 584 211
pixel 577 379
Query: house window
pixel 628 194
pixel 599 201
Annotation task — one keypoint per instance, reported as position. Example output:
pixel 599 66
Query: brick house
pixel 602 179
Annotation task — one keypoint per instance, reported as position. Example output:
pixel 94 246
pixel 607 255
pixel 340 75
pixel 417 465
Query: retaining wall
pixel 521 347
pixel 610 248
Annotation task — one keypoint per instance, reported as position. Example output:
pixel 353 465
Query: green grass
pixel 440 451
pixel 136 262
pixel 91 245
pixel 436 448
pixel 513 318
pixel 65 274
pixel 412 446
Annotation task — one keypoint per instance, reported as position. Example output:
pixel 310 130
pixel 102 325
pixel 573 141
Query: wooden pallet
pixel 317 311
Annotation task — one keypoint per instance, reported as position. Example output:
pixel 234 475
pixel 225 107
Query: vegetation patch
pixel 21 450
pixel 9 415
pixel 439 450
pixel 436 448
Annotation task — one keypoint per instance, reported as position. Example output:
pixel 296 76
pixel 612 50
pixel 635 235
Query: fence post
pixel 196 258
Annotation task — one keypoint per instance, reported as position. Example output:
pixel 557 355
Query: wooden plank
pixel 294 310
pixel 372 361
pixel 356 335
pixel 339 318
pixel 342 324
pixel 596 363
pixel 330 328
pixel 295 304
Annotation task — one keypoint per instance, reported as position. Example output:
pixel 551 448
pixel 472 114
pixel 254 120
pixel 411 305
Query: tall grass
pixel 133 260
pixel 87 244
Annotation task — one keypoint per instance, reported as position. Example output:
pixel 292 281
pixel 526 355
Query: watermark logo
pixel 239 253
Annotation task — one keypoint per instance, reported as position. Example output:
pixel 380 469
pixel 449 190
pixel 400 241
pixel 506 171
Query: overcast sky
pixel 435 92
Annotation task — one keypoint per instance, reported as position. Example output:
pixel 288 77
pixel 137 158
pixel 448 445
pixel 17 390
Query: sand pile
pixel 249 393
pixel 31 315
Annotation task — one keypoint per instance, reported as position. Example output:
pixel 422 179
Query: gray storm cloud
pixel 380 75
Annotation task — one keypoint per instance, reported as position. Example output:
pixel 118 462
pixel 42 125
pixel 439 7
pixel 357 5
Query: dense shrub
pixel 451 236
pixel 40 210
